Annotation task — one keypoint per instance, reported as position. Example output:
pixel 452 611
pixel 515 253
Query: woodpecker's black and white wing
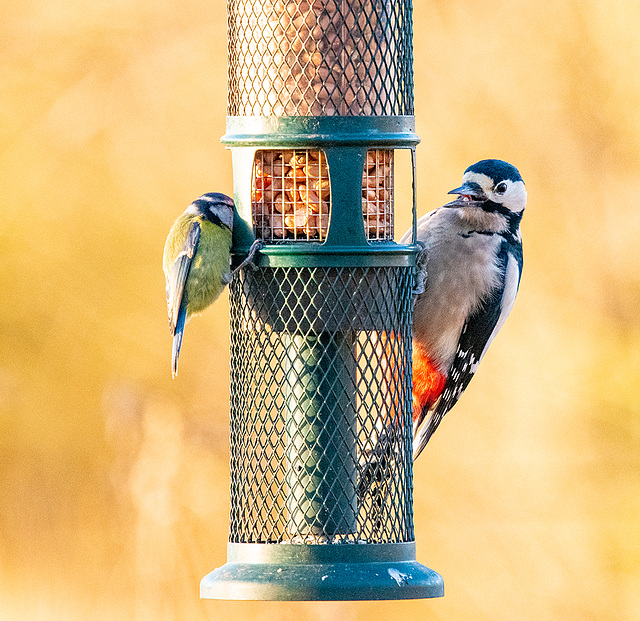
pixel 477 334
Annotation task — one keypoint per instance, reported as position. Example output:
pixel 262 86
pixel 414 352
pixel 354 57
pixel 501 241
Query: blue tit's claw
pixel 257 245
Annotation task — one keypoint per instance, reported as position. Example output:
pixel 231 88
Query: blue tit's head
pixel 494 186
pixel 215 207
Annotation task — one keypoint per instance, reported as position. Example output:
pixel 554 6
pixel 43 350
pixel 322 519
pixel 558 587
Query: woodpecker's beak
pixel 470 194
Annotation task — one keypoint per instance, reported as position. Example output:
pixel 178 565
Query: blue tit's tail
pixel 177 340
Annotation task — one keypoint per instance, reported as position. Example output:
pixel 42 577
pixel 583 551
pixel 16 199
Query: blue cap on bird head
pixel 215 207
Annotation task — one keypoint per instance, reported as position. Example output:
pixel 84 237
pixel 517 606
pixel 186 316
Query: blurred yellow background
pixel 114 478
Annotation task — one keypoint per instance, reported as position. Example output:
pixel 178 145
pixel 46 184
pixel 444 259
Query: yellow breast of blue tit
pixel 210 270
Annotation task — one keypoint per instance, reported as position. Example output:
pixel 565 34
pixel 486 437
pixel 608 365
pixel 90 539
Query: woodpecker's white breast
pixel 461 270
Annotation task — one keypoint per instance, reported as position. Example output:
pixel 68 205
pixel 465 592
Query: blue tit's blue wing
pixel 178 274
pixel 177 339
pixel 176 284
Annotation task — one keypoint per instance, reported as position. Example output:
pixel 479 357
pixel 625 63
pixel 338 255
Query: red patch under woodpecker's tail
pixel 428 384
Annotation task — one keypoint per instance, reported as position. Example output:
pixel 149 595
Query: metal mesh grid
pixel 377 194
pixel 320 57
pixel 291 197
pixel 320 366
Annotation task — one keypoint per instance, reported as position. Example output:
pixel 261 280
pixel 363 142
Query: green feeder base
pixel 283 571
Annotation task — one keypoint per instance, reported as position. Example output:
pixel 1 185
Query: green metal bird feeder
pixel 320 97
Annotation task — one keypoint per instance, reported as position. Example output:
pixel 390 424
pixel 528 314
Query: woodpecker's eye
pixel 501 188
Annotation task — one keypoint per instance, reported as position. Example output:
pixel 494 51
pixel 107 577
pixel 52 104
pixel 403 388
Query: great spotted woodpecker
pixel 471 262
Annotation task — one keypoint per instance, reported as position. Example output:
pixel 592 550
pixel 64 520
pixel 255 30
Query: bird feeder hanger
pixel 320 96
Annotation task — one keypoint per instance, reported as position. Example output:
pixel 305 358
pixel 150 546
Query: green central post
pixel 321 435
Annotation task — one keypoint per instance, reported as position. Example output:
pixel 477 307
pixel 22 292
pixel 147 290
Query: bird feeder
pixel 320 98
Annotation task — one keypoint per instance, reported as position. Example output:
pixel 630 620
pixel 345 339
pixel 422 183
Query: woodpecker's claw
pixel 421 275
pixel 419 288
pixel 255 247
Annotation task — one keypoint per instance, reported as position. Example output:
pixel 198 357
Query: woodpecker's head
pixel 493 186
pixel 215 207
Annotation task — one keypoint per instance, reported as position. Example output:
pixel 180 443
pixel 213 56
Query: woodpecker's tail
pixel 177 340
pixel 423 433
pixel 378 466
pixel 376 462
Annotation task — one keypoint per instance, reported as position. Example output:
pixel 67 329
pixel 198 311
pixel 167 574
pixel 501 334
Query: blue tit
pixel 196 262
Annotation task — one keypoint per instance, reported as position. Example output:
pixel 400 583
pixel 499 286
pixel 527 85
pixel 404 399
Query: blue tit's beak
pixel 470 194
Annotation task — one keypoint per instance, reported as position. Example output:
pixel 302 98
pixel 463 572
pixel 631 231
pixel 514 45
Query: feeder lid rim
pixel 301 131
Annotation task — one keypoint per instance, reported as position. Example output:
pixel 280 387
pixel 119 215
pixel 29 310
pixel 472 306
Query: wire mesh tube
pixel 319 358
pixel 320 57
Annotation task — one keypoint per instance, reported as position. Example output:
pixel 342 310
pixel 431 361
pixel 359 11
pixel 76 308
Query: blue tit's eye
pixel 501 188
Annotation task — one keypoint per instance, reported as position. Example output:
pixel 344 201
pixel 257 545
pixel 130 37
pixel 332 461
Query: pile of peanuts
pixel 316 57
pixel 291 195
